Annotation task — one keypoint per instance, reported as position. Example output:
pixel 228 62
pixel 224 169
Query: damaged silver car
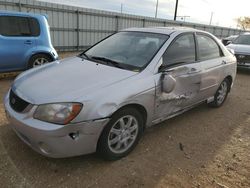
pixel 103 99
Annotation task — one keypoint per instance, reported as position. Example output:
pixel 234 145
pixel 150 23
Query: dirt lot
pixel 216 152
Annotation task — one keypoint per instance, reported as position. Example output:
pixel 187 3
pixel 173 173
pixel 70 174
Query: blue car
pixel 24 41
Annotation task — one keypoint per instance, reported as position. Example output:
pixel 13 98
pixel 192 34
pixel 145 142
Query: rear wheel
pixel 221 94
pixel 38 60
pixel 121 134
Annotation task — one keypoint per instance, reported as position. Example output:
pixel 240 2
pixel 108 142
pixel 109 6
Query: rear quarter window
pixel 34 27
pixel 19 26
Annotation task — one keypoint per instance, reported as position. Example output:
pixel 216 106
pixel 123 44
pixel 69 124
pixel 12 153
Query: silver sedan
pixel 104 98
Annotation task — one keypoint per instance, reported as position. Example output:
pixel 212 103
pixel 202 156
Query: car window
pixel 182 50
pixel 207 48
pixel 130 49
pixel 19 26
pixel 34 27
pixel 242 39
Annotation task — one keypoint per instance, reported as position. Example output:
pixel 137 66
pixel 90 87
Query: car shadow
pixel 243 71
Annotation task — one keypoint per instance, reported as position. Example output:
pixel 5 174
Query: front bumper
pixel 53 140
pixel 241 65
pixel 243 60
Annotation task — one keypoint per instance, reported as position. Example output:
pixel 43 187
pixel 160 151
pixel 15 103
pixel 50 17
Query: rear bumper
pixel 52 140
pixel 54 54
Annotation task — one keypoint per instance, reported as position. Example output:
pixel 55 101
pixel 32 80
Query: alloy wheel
pixel 123 134
pixel 40 61
pixel 222 92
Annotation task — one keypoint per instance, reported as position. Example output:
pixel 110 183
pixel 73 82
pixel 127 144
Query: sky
pixel 224 12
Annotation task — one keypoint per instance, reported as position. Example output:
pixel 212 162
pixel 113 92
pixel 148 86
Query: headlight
pixel 58 113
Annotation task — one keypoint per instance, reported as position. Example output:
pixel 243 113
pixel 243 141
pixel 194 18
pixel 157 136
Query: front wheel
pixel 221 94
pixel 121 134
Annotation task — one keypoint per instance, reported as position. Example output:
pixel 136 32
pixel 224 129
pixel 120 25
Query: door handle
pixel 169 70
pixel 176 69
pixel 224 62
pixel 28 42
pixel 193 71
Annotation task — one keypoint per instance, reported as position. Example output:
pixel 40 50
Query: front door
pixel 185 93
pixel 179 62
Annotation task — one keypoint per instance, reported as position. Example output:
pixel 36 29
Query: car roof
pixel 14 13
pixel 163 30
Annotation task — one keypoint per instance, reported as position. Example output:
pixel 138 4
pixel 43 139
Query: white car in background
pixel 229 39
pixel 241 48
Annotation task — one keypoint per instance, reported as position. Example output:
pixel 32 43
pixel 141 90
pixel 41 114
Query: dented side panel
pixel 137 90
pixel 185 93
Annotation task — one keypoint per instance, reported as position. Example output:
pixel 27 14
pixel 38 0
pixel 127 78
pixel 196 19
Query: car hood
pixel 239 48
pixel 66 80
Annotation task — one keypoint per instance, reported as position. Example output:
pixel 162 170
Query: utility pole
pixel 121 8
pixel 211 18
pixel 175 12
pixel 20 6
pixel 156 8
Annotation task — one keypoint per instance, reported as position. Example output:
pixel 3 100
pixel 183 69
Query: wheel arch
pixel 43 53
pixel 140 108
pixel 230 79
pixel 40 53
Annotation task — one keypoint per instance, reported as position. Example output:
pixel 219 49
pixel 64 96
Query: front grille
pixel 17 103
pixel 243 58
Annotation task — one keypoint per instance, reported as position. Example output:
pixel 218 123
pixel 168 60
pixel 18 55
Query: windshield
pixel 128 50
pixel 242 39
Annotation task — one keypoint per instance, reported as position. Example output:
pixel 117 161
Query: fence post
pixel 78 30
pixel 117 23
pixel 20 6
pixel 143 22
pixel 213 30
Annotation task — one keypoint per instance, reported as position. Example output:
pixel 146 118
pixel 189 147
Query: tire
pixel 38 60
pixel 221 94
pixel 117 141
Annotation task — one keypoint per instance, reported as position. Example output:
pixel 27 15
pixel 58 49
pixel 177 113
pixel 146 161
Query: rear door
pixel 180 61
pixel 17 36
pixel 212 61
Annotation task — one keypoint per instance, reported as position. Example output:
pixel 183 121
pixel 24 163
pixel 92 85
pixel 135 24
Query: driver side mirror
pixel 228 42
pixel 168 83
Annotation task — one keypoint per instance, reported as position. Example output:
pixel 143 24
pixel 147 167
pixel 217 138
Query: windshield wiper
pixel 84 56
pixel 108 61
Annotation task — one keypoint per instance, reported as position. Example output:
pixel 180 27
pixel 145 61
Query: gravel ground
pixel 215 153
